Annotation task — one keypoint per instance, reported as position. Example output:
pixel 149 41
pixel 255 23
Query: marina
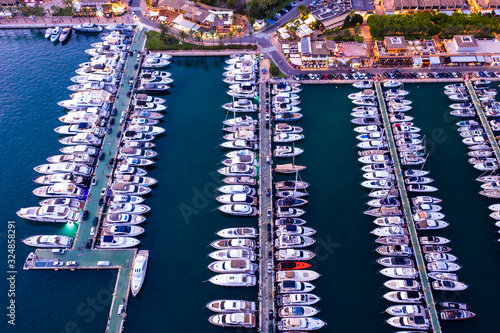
pixel 326 302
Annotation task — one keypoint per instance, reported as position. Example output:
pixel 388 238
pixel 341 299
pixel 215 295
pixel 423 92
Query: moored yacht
pixel 300 324
pixel 237 319
pixel 53 213
pixel 234 280
pixel 227 305
pixel 49 241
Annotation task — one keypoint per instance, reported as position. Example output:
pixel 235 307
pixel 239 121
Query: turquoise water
pixel 34 76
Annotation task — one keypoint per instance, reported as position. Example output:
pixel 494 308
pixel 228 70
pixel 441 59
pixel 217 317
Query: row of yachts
pixel 293 277
pixel 67 178
pixel 481 152
pixel 387 208
pixel 62 34
pixel 235 253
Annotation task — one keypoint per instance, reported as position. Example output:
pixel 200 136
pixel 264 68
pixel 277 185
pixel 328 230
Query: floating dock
pixel 419 258
pixel 266 278
pixel 484 120
pixel 83 254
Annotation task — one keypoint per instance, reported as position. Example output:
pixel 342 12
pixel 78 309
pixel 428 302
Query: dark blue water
pixel 34 76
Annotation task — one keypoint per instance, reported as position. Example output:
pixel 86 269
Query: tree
pixel 212 35
pixel 263 6
pixel 220 38
pixel 199 38
pixel 272 3
pixel 239 32
pixel 231 36
pixel 251 35
pixel 164 30
pixel 231 3
pixel 347 22
pixel 191 33
pixel 356 20
pixel 301 8
pixel 183 35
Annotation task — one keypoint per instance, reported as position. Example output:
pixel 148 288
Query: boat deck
pixel 484 120
pixel 121 259
pixel 266 285
pixel 419 258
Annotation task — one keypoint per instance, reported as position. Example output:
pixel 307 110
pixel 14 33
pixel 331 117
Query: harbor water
pixel 183 218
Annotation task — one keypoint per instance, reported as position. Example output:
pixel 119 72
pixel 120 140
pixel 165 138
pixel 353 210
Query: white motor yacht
pixel 294 254
pixel 404 296
pixel 234 280
pixel 237 319
pixel 240 105
pixel 117 242
pixel 65 190
pixel 449 285
pixel 297 299
pixel 53 213
pixel 227 306
pixel 238 233
pixel 363 84
pixel 49 241
pixel 73 168
pixel 233 243
pixel 123 230
pixel 139 271
pixel 300 324
pixel 399 272
pixel 233 266
pixel 87 27
pixel 391 84
pixel 233 254
pixel 81 138
pixel 290 286
pixel 413 322
pixel 121 218
pixel 406 310
pixel 443 266
pixel 297 311
pixel 304 275
pixel 402 284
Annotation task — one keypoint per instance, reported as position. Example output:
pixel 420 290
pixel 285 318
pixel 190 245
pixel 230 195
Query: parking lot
pixel 282 12
pixel 396 75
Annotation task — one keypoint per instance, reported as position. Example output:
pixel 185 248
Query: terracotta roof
pixel 393 43
pixel 465 41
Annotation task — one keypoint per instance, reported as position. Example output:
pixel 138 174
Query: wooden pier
pixel 86 256
pixel 419 258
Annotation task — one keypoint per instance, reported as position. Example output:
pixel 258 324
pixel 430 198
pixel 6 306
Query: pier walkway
pixel 419 258
pixel 266 269
pixel 85 255
pixel 484 119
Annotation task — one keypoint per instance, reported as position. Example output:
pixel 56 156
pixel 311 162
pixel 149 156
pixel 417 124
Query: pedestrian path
pixel 268 49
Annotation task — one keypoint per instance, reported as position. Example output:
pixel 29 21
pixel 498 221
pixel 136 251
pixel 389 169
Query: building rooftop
pixel 465 41
pixel 484 47
pixel 395 43
pixel 318 48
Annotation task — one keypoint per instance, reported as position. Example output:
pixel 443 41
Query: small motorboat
pixel 413 322
pixel 431 240
pixel 449 285
pixel 406 310
pixel 281 266
pixel 454 305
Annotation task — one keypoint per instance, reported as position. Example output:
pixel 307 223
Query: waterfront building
pixel 404 6
pixel 467 50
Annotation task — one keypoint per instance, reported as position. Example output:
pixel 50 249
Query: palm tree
pixel 183 35
pixel 220 38
pixel 212 35
pixel 301 8
pixel 263 6
pixel 251 35
pixel 191 33
pixel 164 30
pixel 199 38
pixel 248 10
pixel 272 3
pixel 231 35
pixel 239 32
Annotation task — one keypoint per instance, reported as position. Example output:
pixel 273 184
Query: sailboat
pixel 289 167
